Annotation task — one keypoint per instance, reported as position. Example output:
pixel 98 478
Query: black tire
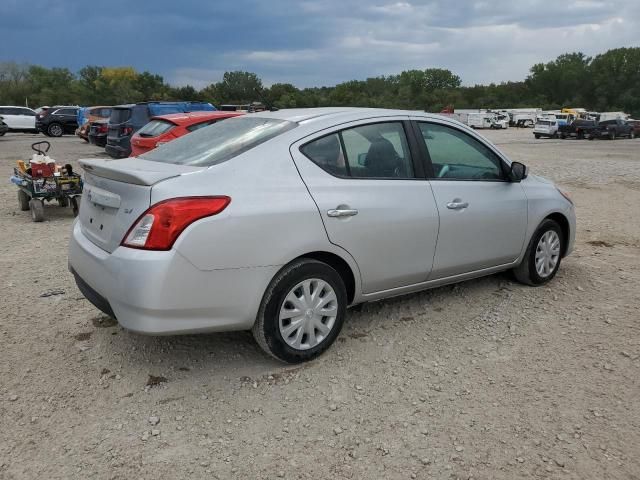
pixel 23 200
pixel 55 130
pixel 580 135
pixel 526 272
pixel 612 135
pixel 536 135
pixel 562 136
pixel 37 210
pixel 266 329
pixel 63 202
pixel 75 205
pixel 632 135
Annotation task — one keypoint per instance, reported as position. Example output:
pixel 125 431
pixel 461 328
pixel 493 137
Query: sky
pixel 313 43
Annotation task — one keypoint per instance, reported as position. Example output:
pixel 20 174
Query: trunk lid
pixel 116 193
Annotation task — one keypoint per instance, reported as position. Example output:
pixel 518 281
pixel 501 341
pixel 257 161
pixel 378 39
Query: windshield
pixel 219 142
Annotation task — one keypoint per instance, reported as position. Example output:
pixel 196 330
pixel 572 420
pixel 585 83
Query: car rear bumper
pixel 161 293
pixel 99 140
pixel 117 151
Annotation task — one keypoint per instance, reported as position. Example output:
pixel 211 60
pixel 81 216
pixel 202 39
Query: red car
pixel 164 128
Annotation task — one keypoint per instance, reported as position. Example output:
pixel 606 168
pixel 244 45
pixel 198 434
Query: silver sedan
pixel 279 221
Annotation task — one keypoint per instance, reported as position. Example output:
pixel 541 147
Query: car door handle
pixel 457 205
pixel 347 212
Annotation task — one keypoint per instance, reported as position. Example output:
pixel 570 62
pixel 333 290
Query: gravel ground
pixel 485 379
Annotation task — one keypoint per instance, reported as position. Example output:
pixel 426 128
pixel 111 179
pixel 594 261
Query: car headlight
pixel 565 195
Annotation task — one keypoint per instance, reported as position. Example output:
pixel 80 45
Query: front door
pixel 373 204
pixel 483 216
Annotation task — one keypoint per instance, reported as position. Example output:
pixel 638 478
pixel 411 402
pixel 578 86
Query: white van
pixel 19 119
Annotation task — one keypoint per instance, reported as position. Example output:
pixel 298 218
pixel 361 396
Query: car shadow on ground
pixel 237 354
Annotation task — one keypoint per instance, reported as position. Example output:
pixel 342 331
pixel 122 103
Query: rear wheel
pixel 302 311
pixel 544 253
pixel 37 210
pixel 23 200
pixel 55 130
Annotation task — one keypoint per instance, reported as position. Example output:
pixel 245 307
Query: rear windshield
pixel 155 128
pixel 120 115
pixel 219 142
pixel 543 122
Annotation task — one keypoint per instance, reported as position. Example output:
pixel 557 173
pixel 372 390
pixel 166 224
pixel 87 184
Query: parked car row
pixel 551 127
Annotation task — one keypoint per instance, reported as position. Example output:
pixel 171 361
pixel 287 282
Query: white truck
pixel 487 120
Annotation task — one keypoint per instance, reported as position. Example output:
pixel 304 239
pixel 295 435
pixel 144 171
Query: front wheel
pixel 536 135
pixel 75 205
pixel 542 258
pixel 302 311
pixel 37 210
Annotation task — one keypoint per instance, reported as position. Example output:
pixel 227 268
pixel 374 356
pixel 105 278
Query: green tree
pixel 238 87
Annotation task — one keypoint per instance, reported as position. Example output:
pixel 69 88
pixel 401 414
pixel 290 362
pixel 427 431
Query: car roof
pixel 334 115
pixel 188 118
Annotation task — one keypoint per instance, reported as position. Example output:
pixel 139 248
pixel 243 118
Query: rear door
pixel 373 198
pixel 483 216
pixel 26 118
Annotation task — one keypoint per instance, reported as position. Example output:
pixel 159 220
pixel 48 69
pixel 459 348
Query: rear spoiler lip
pixel 135 171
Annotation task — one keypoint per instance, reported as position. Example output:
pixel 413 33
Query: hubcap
pixel 547 253
pixel 56 130
pixel 308 314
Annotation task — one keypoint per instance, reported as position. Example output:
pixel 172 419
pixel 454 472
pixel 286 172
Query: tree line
pixel 609 81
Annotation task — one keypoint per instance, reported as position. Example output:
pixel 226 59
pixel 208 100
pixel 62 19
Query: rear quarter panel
pixel 271 219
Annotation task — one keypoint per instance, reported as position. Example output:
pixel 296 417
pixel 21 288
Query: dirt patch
pixel 600 243
pixel 154 381
pixel 104 321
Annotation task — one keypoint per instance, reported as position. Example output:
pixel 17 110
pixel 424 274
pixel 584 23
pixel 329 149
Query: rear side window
pixel 67 111
pixel 120 115
pixel 377 150
pixel 220 142
pixel 101 112
pixel 155 128
pixel 198 126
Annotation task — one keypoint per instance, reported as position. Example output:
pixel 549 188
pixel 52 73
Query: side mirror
pixel 518 172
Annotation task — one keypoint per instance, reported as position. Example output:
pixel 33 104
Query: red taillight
pixel 127 130
pixel 103 129
pixel 160 226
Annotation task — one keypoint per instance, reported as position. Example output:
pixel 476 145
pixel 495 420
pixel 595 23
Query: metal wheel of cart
pixel 37 210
